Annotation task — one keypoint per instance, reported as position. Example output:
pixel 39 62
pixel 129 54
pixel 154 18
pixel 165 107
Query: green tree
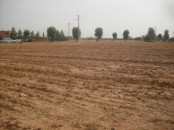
pixel 26 33
pixel 98 33
pixel 76 33
pixel 126 34
pixel 160 37
pixel 166 35
pixel 51 33
pixel 151 36
pixel 13 33
pixel 32 34
pixel 19 36
pixel 62 36
pixel 114 36
pixel 57 35
pixel 37 34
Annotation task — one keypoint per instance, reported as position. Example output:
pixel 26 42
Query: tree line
pixel 55 35
pixel 25 34
pixel 52 33
pixel 76 32
pixel 149 37
pixel 58 36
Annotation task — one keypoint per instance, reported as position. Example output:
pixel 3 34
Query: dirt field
pixel 88 85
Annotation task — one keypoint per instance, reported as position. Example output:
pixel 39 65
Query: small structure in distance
pixel 4 34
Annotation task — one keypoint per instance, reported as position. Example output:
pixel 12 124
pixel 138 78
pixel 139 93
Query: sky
pixel 111 15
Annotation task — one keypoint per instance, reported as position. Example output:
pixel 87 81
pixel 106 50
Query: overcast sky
pixel 112 15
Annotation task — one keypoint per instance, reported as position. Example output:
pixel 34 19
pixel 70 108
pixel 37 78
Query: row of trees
pixel 151 36
pixel 54 35
pixel 99 32
pixel 24 35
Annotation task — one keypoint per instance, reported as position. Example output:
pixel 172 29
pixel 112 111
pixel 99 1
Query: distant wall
pixel 41 40
pixel 4 34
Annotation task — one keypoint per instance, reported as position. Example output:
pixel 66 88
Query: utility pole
pixel 68 29
pixel 78 27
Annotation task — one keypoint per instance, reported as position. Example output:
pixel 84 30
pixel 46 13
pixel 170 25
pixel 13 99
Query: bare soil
pixel 87 85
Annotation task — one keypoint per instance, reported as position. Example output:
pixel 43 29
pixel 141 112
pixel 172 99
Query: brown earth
pixel 87 85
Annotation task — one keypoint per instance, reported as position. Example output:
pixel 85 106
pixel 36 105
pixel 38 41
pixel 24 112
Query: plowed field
pixel 87 85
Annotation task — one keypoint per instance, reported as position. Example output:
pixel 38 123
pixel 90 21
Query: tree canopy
pixel 62 36
pixel 98 33
pixel 76 33
pixel 151 36
pixel 26 33
pixel 160 37
pixel 166 35
pixel 126 34
pixel 32 34
pixel 114 36
pixel 38 35
pixel 57 37
pixel 19 36
pixel 51 33
pixel 13 33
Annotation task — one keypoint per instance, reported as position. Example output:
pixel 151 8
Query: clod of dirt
pixel 118 92
pixel 22 95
